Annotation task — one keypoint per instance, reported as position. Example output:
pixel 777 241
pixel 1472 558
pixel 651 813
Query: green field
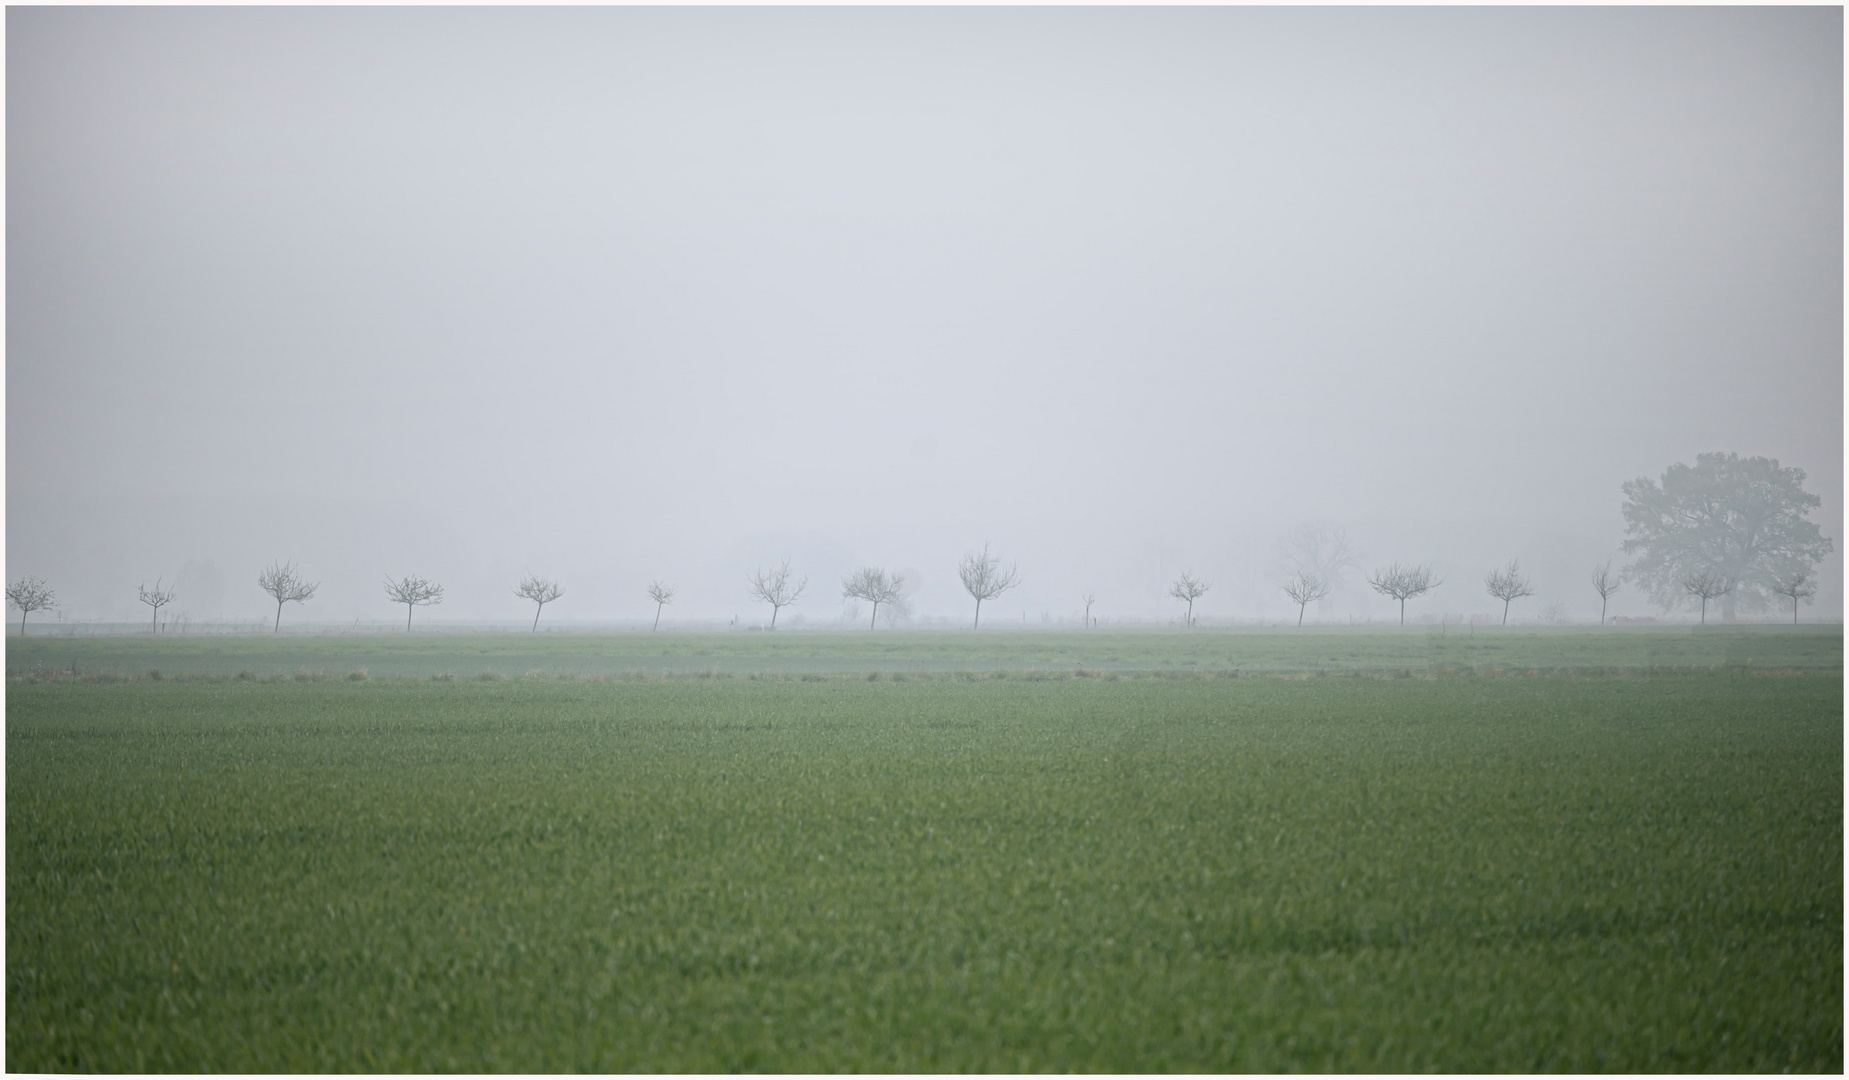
pixel 1332 650
pixel 1637 870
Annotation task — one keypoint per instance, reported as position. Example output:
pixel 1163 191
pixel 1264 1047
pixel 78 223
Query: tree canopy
pixel 777 588
pixel 984 578
pixel 875 585
pixel 1742 518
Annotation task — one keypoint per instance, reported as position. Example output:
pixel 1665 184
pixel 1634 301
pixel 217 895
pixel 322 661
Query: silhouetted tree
pixel 1742 518
pixel 1403 583
pixel 1188 588
pixel 1321 550
pixel 29 594
pixel 661 595
pixel 413 592
pixel 898 609
pixel 874 585
pixel 1798 585
pixel 1707 583
pixel 156 598
pixel 1090 599
pixel 1506 585
pixel 985 579
pixel 539 590
pixel 1605 583
pixel 282 582
pixel 1307 588
pixel 774 587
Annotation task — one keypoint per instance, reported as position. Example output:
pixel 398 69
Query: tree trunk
pixel 1794 611
pixel 657 625
pixel 277 629
pixel 977 625
pixel 1300 608
pixel 1505 613
pixel 407 618
pixel 1704 611
pixel 22 622
pixel 154 626
pixel 774 608
pixel 1402 611
pixel 1602 601
pixel 1190 614
pixel 536 612
pixel 873 623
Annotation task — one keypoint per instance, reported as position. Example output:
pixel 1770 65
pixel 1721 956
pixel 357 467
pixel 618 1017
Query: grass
pixel 1333 650
pixel 1617 873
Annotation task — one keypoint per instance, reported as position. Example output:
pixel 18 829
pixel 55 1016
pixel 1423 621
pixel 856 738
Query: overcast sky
pixel 616 294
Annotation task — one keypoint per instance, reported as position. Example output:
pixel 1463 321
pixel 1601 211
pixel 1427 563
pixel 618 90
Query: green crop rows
pixel 1623 872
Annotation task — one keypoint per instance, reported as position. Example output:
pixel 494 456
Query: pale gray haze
pixel 614 295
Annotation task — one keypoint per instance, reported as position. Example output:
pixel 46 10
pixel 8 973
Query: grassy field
pixel 1627 872
pixel 1332 650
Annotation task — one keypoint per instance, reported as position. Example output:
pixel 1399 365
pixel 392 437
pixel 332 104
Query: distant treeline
pixel 1727 530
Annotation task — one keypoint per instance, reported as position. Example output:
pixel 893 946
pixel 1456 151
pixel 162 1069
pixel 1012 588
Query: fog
pixel 611 295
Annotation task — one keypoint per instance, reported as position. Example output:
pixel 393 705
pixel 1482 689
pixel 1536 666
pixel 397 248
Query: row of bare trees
pixel 286 585
pixel 777 586
pixel 983 576
pixel 1508 584
pixel 1709 584
pixel 1705 584
pixel 1319 554
pixel 1726 527
pixel 1403 582
pixel 1399 582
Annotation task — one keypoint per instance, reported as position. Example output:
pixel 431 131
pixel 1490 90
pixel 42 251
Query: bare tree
pixel 985 579
pixel 1799 585
pixel 661 595
pixel 541 591
pixel 1506 585
pixel 1188 588
pixel 1308 588
pixel 156 598
pixel 282 582
pixel 1604 582
pixel 1707 583
pixel 1090 599
pixel 875 585
pixel 1403 583
pixel 775 588
pixel 413 592
pixel 29 594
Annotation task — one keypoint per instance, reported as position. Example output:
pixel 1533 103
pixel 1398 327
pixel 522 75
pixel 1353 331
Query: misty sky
pixel 616 294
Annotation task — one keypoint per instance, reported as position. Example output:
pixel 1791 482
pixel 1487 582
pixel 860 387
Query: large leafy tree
pixel 1741 518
